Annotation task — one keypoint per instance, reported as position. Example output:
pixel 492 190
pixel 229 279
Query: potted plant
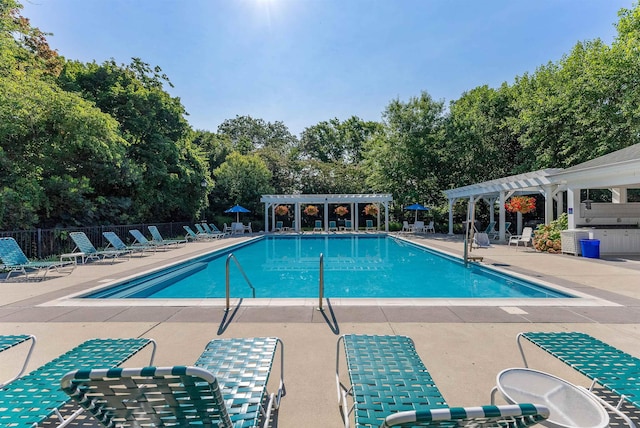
pixel 341 211
pixel 311 210
pixel 371 210
pixel 521 204
pixel 282 210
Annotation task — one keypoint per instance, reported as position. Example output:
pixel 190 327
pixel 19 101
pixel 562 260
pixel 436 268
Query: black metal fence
pixel 46 243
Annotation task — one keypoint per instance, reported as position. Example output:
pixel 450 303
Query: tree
pixel 242 179
pixel 406 159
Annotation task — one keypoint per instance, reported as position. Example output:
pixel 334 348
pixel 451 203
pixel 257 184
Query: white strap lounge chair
pixel 227 387
pixel 481 240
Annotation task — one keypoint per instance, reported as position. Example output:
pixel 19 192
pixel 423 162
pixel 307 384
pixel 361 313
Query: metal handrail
pixel 321 283
pixel 253 290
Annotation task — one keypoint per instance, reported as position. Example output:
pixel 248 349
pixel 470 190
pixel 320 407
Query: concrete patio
pixel 464 345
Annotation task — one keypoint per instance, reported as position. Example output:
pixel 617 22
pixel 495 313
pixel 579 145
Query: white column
pixel 451 202
pixel 386 217
pixel 297 217
pixel 547 192
pixel 326 216
pixel 573 206
pixel 502 217
pixel 273 219
pixel 492 209
pixel 559 203
pixel 266 216
pixel 619 195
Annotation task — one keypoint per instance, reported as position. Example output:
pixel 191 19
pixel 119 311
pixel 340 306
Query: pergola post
pixel 502 216
pixel 451 202
pixel 326 215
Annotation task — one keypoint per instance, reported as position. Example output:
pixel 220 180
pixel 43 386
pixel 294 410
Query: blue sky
pixel 306 61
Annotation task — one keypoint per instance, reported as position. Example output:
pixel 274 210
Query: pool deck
pixel 463 344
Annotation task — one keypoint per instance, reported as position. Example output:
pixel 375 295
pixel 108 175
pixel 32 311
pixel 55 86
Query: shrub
pixel 548 238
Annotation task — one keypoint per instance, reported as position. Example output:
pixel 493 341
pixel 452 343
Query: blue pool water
pixel 354 266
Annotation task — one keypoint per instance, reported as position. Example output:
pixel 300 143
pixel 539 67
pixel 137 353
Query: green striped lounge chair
pixel 140 239
pixel 613 369
pixel 227 387
pixel 35 397
pixel 14 260
pixel 390 386
pixel 157 237
pixel 9 341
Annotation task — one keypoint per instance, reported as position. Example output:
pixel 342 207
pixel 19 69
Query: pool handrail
pixel 253 289
pixel 321 283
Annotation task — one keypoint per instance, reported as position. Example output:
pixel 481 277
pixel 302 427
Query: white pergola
pixel 616 171
pixel 352 200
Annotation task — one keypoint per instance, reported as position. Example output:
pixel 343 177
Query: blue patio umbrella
pixel 237 209
pixel 416 208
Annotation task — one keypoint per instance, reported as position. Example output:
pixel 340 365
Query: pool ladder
pixel 253 290
pixel 321 283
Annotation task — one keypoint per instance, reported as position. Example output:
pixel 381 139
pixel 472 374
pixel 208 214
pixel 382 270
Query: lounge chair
pixel 14 260
pixel 214 233
pixel 157 237
pixel 279 227
pixel 34 397
pixel 332 226
pixel 390 386
pixel 88 251
pixel 490 230
pixel 369 226
pixel 481 240
pixel 195 236
pixel 9 341
pixel 215 229
pixel 348 225
pixel 204 233
pixel 227 387
pixel 496 233
pixel 613 369
pixel 140 239
pixel 606 365
pixel 318 226
pixel 525 238
pixel 430 227
pixel 116 243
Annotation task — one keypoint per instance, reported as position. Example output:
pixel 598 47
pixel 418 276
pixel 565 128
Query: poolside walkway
pixel 464 346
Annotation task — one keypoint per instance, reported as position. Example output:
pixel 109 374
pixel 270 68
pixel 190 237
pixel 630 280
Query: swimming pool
pixel 355 266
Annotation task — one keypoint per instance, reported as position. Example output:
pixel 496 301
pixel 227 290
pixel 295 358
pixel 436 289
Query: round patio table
pixel 570 406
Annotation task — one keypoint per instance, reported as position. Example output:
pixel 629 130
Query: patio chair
pixel 430 227
pixel 34 397
pixel 332 226
pixel 406 227
pixel 318 226
pixel 88 251
pixel 116 243
pixel 247 228
pixel 526 238
pixel 604 364
pixel 227 229
pixel 157 237
pixel 227 387
pixel 279 226
pixel 348 225
pixel 8 341
pixel 390 386
pixel 14 260
pixel 418 227
pixel 369 226
pixel 496 233
pixel 481 240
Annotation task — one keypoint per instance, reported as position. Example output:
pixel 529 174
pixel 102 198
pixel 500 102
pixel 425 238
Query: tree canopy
pixel 87 143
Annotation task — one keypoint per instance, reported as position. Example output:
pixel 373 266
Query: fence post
pixel 39 240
